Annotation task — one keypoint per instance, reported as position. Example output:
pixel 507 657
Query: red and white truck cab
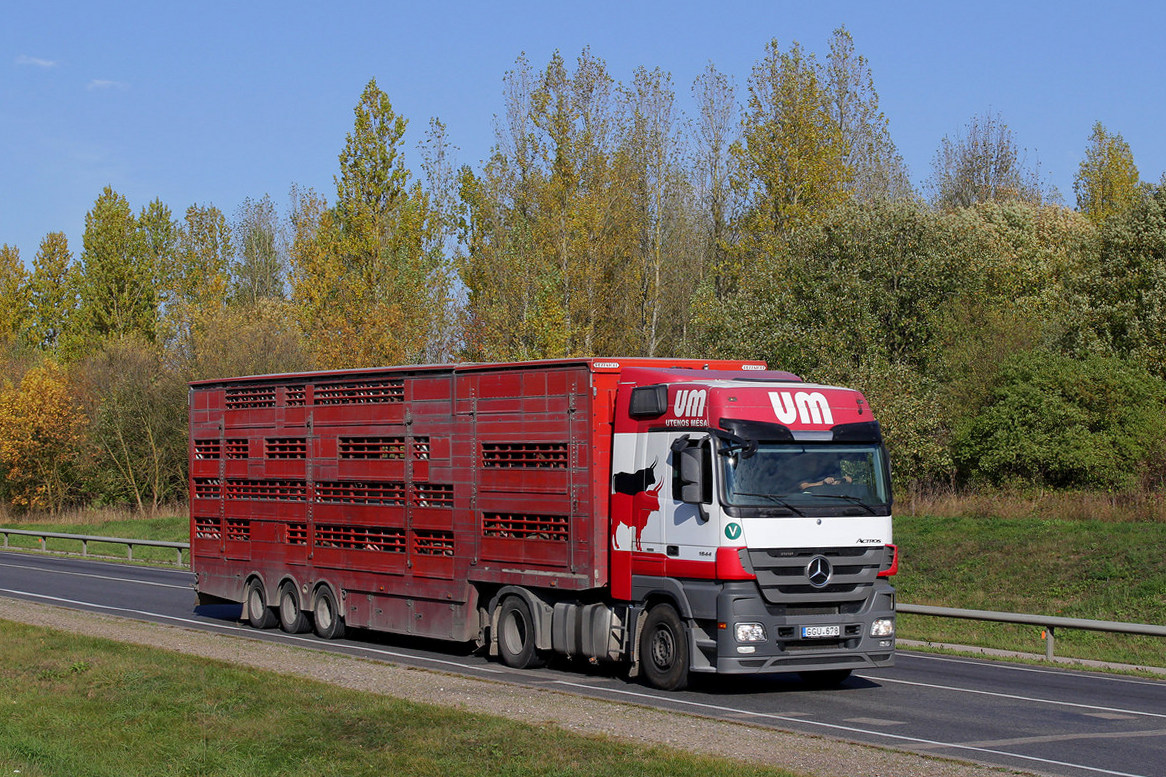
pixel 760 506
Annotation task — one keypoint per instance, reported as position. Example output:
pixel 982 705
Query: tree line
pixel 1002 337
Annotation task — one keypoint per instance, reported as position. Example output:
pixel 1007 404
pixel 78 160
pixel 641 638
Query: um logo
pixel 809 407
pixel 690 402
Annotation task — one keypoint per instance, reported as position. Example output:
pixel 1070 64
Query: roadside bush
pixel 1055 421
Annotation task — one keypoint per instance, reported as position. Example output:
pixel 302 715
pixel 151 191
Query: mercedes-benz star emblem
pixel 818 571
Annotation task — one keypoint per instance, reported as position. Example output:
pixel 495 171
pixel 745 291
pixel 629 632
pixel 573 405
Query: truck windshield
pixel 797 476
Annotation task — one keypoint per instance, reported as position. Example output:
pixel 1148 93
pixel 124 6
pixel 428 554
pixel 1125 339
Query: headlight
pixel 882 627
pixel 750 632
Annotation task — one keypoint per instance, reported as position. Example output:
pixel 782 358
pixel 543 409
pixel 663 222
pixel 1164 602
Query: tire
pixel 259 615
pixel 326 615
pixel 292 619
pixel 825 678
pixel 664 649
pixel 516 634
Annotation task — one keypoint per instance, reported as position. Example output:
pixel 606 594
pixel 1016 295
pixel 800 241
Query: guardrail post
pixel 84 547
pixel 1049 640
pixel 130 549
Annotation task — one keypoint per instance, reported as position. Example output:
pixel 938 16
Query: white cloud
pixel 99 83
pixel 24 59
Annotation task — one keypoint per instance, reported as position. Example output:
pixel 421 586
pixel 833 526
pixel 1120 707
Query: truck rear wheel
pixel 516 634
pixel 259 615
pixel 326 614
pixel 664 649
pixel 291 618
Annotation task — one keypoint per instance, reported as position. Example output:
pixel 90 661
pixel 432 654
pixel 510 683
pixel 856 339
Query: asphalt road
pixel 1044 720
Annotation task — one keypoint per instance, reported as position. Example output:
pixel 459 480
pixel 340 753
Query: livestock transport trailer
pixel 672 515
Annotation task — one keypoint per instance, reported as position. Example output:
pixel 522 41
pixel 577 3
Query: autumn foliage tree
pixel 366 280
pixel 41 432
pixel 1107 180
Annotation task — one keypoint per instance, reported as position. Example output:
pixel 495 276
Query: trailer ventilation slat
pixel 433 543
pixel 524 455
pixel 286 448
pixel 360 392
pixel 243 398
pixel 361 493
pixel 237 530
pixel 523 526
pixel 236 449
pixel 269 490
pixel 296 533
pixel 207 488
pixel 296 396
pixel 207 528
pixel 206 449
pixel 376 538
pixel 392 448
pixel 432 495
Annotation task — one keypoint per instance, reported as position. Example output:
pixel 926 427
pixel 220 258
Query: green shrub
pixel 1055 421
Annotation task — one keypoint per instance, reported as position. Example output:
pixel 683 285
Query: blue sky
pixel 210 103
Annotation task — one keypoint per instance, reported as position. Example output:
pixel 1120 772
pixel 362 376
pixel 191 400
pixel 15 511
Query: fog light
pixel 750 632
pixel 746 649
pixel 882 627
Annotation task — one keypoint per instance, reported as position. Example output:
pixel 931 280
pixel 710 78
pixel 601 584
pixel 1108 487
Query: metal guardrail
pixel 1050 623
pixel 85 539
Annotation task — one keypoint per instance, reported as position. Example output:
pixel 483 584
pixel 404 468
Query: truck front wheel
pixel 516 634
pixel 664 649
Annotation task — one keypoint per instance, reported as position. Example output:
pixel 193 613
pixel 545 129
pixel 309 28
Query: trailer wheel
pixel 291 618
pixel 664 649
pixel 516 634
pixel 326 613
pixel 259 615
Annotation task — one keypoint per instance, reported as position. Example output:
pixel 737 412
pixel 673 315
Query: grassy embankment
pixel 1077 556
pixel 75 705
pixel 1071 555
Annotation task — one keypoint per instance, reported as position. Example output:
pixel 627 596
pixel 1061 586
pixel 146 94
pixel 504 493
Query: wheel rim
pixel 255 603
pixel 663 648
pixel 514 633
pixel 287 607
pixel 324 613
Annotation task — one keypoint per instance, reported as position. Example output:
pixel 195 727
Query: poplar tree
pixel 117 284
pixel 14 291
pixel 52 292
pixel 876 168
pixel 365 280
pixel 790 163
pixel 1107 180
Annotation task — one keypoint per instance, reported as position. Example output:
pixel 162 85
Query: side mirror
pixel 695 487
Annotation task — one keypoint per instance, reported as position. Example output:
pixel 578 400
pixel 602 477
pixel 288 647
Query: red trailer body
pixel 467 502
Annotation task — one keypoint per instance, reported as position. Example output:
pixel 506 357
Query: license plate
pixel 815 632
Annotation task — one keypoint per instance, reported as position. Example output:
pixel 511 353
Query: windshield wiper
pixel 773 498
pixel 847 497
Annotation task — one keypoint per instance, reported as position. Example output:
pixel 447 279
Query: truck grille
pixel 783 579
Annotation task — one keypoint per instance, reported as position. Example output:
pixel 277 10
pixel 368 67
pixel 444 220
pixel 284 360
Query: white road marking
pixel 1075 671
pixel 251 633
pixel 853 730
pixel 1016 697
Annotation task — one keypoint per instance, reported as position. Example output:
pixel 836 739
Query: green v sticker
pixel 733 531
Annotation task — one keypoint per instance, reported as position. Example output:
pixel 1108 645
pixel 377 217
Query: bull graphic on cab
pixel 634 499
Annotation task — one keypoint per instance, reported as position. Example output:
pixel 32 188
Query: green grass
pixel 1076 569
pixel 73 705
pixel 169 528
